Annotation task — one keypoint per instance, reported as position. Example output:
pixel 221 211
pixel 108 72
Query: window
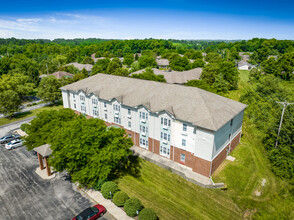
pixel 183 157
pixel 146 129
pixel 143 129
pixel 117 120
pixel 95 112
pixel 184 127
pixel 183 142
pixel 229 136
pixel 165 122
pixel 146 116
pixel 105 105
pixel 94 101
pixel 160 149
pixel 168 122
pixel 146 143
pixel 143 142
pixel 161 135
pixel 130 136
pixel 143 115
pixel 168 137
pixel 75 106
pixel 129 124
pixel 82 98
pixel 167 151
pixel 113 107
pixel 165 136
pixel 129 111
pixel 232 122
pixel 162 121
pixel 83 108
pixel 140 140
pixel 106 116
pixel 74 96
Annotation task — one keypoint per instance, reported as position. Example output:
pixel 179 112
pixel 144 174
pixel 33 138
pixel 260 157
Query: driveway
pixel 24 195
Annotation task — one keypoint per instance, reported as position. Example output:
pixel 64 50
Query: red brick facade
pixel 197 164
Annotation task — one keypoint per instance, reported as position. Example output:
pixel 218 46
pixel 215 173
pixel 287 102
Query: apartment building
pixel 185 124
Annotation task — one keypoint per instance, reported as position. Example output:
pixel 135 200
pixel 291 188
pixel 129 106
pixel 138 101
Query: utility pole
pixel 47 68
pixel 285 104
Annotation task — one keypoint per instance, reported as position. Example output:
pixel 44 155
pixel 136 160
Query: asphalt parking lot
pixel 24 195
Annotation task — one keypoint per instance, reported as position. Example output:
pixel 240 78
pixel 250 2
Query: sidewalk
pixel 117 212
pixel 185 172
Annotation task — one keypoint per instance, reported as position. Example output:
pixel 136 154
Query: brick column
pixel 40 158
pixel 47 167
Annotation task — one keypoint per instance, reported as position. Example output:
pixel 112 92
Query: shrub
pixel 147 214
pixel 132 205
pixel 108 189
pixel 23 127
pixel 120 198
pixel 99 184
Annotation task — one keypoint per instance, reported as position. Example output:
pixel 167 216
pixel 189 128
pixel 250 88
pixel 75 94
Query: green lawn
pixel 172 197
pixel 28 114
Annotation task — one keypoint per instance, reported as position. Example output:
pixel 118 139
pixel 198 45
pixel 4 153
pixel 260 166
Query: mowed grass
pixel 28 114
pixel 172 197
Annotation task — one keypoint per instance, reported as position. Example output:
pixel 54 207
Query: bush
pixel 120 198
pixel 147 214
pixel 108 189
pixel 132 205
pixel 99 184
pixel 24 126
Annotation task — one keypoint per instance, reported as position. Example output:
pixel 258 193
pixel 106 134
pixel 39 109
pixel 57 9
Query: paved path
pixel 5 129
pixel 26 109
pixel 117 212
pixel 25 195
pixel 177 168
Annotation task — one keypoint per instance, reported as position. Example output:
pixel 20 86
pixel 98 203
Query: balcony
pixel 165 127
pixel 164 141
pixel 116 113
pixel 129 116
pixel 143 133
pixel 105 109
pixel 143 120
pixel 184 133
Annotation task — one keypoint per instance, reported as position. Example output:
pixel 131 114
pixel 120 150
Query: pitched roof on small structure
pixel 80 66
pixel 44 150
pixel 243 63
pixel 190 104
pixel 176 77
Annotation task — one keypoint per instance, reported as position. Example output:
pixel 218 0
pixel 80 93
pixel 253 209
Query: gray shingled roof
pixel 243 63
pixel 190 104
pixel 60 74
pixel 176 76
pixel 44 150
pixel 79 66
pixel 162 62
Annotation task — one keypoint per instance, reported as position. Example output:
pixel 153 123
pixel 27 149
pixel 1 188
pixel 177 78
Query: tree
pixel 128 59
pixel 88 60
pixel 179 63
pixel 48 89
pixel 213 57
pixel 210 71
pixel 9 102
pixel 269 66
pixel 198 63
pixel 148 74
pixel 201 84
pixel 85 148
pixel 147 61
pixel 85 73
pixel 100 66
pixel 229 73
pixel 121 72
pixel 112 67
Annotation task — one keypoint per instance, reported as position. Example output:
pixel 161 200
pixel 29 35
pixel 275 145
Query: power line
pixel 285 104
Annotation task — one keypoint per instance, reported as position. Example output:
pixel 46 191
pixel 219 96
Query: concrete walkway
pixel 184 171
pixel 117 212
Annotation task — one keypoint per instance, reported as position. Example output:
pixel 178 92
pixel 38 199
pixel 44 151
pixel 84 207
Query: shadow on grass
pixel 19 115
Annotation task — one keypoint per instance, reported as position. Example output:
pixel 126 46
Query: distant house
pixel 245 55
pixel 244 65
pixel 176 77
pixel 80 67
pixel 162 63
pixel 93 55
pixel 58 75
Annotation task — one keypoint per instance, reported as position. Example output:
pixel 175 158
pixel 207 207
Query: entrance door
pixel 165 151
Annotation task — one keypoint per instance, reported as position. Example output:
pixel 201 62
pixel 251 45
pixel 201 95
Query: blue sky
pixel 147 19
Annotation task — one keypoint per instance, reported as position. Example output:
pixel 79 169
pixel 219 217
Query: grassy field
pixel 253 190
pixel 28 114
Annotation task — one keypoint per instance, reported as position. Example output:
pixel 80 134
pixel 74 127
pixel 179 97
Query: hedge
pixel 147 214
pixel 120 198
pixel 99 184
pixel 108 189
pixel 133 205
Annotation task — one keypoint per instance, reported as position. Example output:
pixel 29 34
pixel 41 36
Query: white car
pixel 14 144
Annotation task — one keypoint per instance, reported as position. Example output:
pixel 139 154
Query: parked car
pixel 91 213
pixel 8 138
pixel 14 144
